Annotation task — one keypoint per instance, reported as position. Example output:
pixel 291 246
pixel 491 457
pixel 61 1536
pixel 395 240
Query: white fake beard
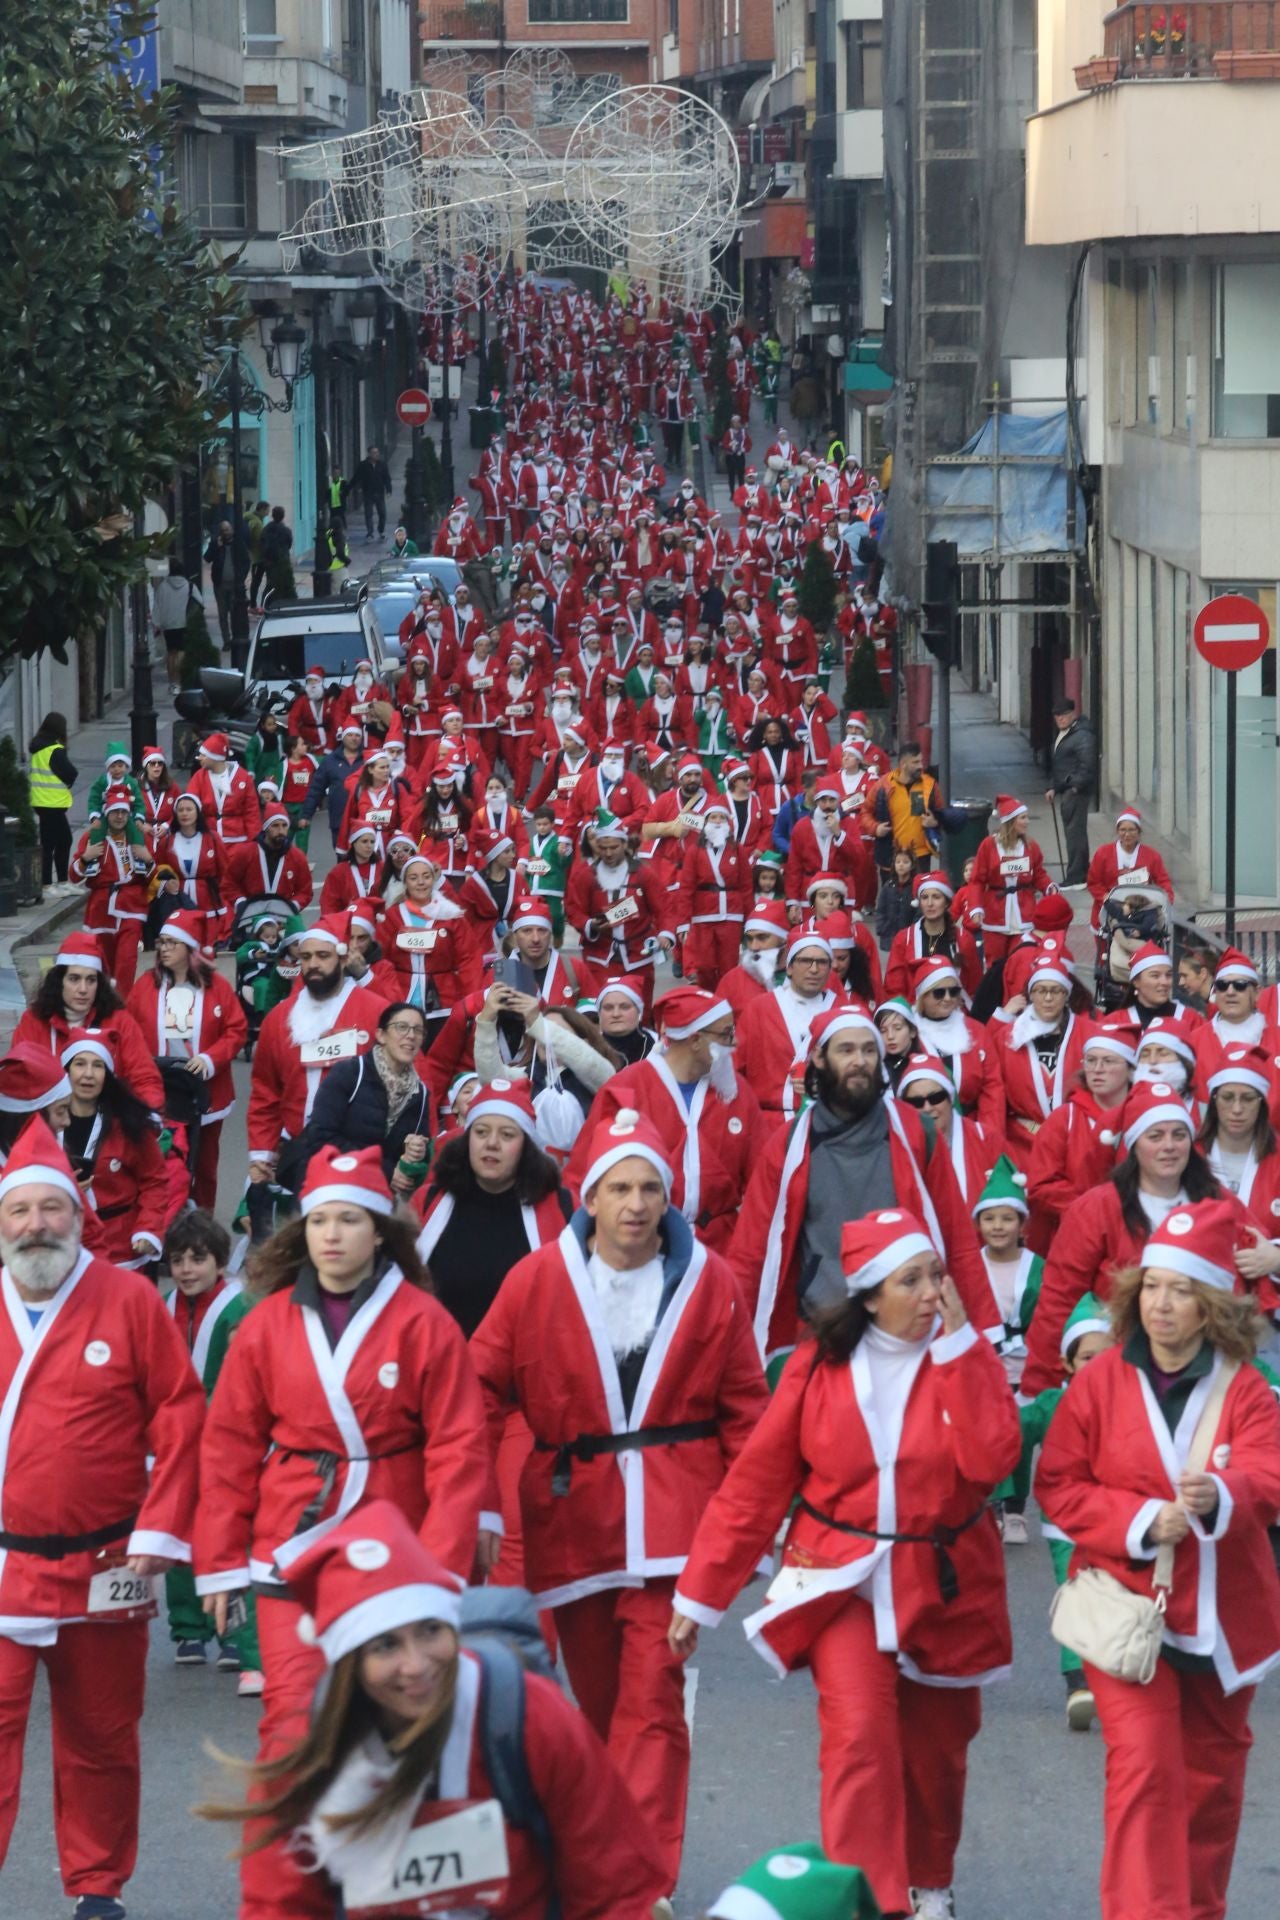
pixel 1172 1072
pixel 763 965
pixel 716 837
pixel 723 1075
pixel 437 908
pixel 310 1019
pixel 40 1270
pixel 946 1036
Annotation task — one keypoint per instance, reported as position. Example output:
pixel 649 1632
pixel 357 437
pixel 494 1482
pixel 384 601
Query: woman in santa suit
pixel 1162 1464
pixel 1039 1052
pixel 925 1085
pixel 347 1383
pixel 1239 1142
pixel 498 815
pixel 77 992
pixel 968 1050
pixel 1068 1154
pixel 933 932
pixel 196 855
pixel 159 791
pixel 1105 1230
pixel 398 1731
pixel 774 760
pixel 428 941
pixel 1010 875
pixel 187 1011
pixel 116 1157
pixel 375 803
pixel 416 698
pixel 883 1443
pixel 1126 859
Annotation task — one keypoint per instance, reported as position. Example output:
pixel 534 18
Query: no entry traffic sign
pixel 1231 632
pixel 413 408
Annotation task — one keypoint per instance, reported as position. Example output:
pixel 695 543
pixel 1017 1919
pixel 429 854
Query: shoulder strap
pixel 1198 1454
pixel 502 1742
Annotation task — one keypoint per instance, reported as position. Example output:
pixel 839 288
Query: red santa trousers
pixel 272 1884
pixel 630 1686
pixel 97 1677
pixel 513 1450
pixel 893 1756
pixel 1176 1757
pixel 206 1169
pixel 710 950
pixel 517 754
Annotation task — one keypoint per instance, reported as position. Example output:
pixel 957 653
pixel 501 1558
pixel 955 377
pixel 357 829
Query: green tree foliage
pixel 863 687
pixel 15 794
pixel 111 309
pixel 817 588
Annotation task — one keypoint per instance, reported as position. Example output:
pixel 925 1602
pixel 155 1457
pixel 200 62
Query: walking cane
pixel 1057 834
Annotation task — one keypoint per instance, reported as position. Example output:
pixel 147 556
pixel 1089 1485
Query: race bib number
pixel 624 910
pixel 334 1046
pixel 1136 877
pixel 117 1589
pixel 456 1862
pixel 482 685
pixel 537 866
pixel 420 942
pixel 378 817
pixel 566 783
pixel 852 803
pixel 1012 867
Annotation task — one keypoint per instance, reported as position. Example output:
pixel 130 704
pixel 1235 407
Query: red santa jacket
pixel 910 946
pixel 127 1193
pixel 349 882
pixel 252 871
pixel 288 1068
pixel 383 812
pixel 135 1061
pixel 437 946
pixel 1067 1155
pixel 1143 868
pixel 201 862
pixel 100 1385
pixel 976 1074
pixel 619 928
pixel 395 1401
pixel 543 1348
pixel 1031 1093
pixel 775 776
pixel 235 815
pixel 218 1030
pixel 115 877
pixel 771 1057
pixel 629 801
pixel 821 1437
pixel 313 720
pixel 1109 1463
pixel 1004 878
pixel 844 852
pixel 714 888
pixel 773 1212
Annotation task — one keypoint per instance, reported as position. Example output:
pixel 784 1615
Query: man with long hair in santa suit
pixel 626 1346
pixel 706 1116
pixel 776 1029
pixel 851 1148
pixel 327 1017
pixel 102 1415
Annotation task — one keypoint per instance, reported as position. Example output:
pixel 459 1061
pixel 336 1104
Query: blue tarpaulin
pixel 961 500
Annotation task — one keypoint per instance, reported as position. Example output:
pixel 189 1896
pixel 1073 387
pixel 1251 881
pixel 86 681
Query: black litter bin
pixel 961 841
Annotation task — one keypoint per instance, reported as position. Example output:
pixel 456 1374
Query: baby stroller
pixel 260 938
pixel 1130 917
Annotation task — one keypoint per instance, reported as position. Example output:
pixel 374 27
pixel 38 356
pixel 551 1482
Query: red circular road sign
pixel 1232 632
pixel 413 408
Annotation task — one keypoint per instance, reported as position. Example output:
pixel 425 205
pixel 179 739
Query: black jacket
pixel 1073 765
pixel 895 909
pixel 350 1112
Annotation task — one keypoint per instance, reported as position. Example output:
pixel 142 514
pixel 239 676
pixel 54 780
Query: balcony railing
pixel 1201 39
pixel 462 23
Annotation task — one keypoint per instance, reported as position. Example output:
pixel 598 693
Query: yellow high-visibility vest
pixel 46 788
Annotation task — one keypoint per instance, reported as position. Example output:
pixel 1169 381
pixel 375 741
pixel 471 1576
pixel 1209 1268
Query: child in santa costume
pixel 1015 1274
pixel 883 1444
pixel 627 1348
pixel 347 1383
pixel 797 1882
pixel 1162 1465
pixel 383 1614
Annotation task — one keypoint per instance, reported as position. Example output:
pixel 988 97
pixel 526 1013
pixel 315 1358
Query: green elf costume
pixel 1016 1286
pixel 547 871
pixel 797 1883
pixel 716 738
pixel 117 773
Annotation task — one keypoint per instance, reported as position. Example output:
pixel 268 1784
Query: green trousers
pixel 189 1621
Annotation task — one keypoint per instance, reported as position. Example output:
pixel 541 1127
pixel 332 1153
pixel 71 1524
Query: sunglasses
pixel 946 993
pixel 938 1099
pixel 1232 986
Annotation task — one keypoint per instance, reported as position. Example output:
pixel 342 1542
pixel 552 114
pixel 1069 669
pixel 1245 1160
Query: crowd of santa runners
pixel 669 1169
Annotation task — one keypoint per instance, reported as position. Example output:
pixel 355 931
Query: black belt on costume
pixel 940 1539
pixel 57 1546
pixel 591 1446
pixel 326 1465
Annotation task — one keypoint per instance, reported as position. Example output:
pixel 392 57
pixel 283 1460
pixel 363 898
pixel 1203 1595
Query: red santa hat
pixel 925 1066
pixel 331 930
pixel 856 722
pixel 852 744
pixel 877 1245
pixel 85 1040
pixel 767 916
pixel 629 984
pixel 1234 965
pixel 367 1577
pixel 1050 972
pixel 152 756
pixel 314 673
pixel 531 912
pixel 1052 914
pixel 938 881
pixel 828 788
pixel 189 926
pixel 1150 955
pixel 1243 1067
pixel 274 813
pixel 1151 1103
pixel 357 1178
pixel 734 770
pixel 846 1019
pixel 487 846
pixel 1116 1040
pixel 687 762
pixel 627 1135
pixel 80 950
pixel 365 913
pixel 1129 813
pixel 1198 1240
pixel 117 799
pixel 216 745
pixel 837 930
pixel 802 937
pixel 30 1079
pixel 936 971
pixel 1170 1032
pixel 506 1100
pixel 1008 807
pixel 835 880
pixel 37 1160
pixel 687 1010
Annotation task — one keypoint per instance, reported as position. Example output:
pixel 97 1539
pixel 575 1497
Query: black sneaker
pixel 100 1906
pixel 189 1653
pixel 228 1660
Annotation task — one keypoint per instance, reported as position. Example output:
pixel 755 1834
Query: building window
pixel 864 64
pixel 260 21
pixel 215 177
pixel 673 18
pixel 1246 352
pixel 1183 403
pixel 593 13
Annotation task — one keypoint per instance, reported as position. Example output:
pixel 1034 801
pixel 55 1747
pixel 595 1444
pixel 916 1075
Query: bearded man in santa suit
pixel 627 1348
pixel 327 1017
pixel 98 1481
pixel 776 1028
pixel 269 865
pixel 706 1116
pixel 765 932
pixel 852 1151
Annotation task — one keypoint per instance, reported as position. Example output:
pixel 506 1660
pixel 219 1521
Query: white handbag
pixel 1108 1625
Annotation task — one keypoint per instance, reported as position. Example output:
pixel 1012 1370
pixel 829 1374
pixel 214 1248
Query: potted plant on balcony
pixel 1166 35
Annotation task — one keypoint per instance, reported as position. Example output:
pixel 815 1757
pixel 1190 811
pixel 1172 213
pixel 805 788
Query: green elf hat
pixel 607 825
pixel 903 1009
pixel 1006 1187
pixel 117 750
pixel 1089 1315
pixel 797 1883
pixel 769 859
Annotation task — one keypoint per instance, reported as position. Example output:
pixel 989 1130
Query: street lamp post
pixel 143 722
pixel 446 425
pixel 239 595
pixel 321 581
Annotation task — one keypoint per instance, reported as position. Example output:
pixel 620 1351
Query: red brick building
pixel 600 36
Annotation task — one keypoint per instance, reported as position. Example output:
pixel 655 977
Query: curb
pixel 50 918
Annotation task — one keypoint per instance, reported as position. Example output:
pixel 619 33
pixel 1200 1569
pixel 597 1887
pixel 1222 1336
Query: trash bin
pixel 961 842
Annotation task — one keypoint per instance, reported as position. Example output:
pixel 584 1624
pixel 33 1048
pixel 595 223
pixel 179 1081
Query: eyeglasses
pixel 725 1039
pixel 946 993
pixel 408 1029
pixel 938 1099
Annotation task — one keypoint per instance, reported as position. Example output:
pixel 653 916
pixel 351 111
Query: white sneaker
pixel 933 1903
pixel 1015 1529
pixel 250 1684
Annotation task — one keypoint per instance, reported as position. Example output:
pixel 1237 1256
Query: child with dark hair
pixel 207 1308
